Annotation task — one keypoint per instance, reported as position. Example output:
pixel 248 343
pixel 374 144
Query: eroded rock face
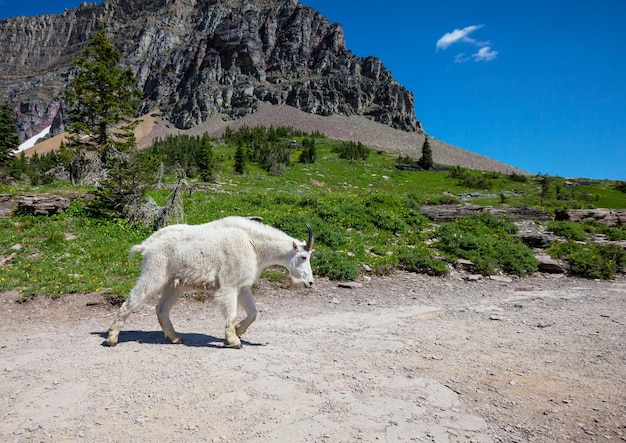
pixel 608 217
pixel 196 58
pixel 42 204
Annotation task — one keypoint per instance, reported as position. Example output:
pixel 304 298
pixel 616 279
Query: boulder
pixel 7 205
pixel 42 204
pixel 549 265
pixel 608 217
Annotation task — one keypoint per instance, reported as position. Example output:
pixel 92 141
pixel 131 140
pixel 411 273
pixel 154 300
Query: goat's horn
pixel 309 243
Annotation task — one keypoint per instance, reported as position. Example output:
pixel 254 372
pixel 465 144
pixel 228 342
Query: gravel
pixel 400 358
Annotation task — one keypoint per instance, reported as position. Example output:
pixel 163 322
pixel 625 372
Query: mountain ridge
pixel 202 62
pixel 197 58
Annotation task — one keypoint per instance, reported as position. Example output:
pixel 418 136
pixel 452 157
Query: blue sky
pixel 540 85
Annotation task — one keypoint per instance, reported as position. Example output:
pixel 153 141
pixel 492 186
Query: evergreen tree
pixel 205 160
pixel 9 139
pixel 102 100
pixel 545 181
pixel 240 160
pixel 426 161
pixel 308 151
pixel 126 184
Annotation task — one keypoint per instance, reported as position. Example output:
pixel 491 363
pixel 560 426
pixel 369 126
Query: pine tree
pixel 205 160
pixel 308 153
pixel 426 161
pixel 240 160
pixel 9 139
pixel 102 101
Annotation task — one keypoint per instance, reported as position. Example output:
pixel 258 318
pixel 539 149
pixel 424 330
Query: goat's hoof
pixel 235 346
pixel 111 343
pixel 175 340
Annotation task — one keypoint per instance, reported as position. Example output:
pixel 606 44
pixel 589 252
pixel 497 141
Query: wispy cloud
pixel 458 35
pixel 485 53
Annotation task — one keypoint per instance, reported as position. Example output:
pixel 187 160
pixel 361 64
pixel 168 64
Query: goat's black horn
pixel 309 243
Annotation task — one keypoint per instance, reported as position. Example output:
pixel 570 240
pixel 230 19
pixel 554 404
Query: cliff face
pixel 196 58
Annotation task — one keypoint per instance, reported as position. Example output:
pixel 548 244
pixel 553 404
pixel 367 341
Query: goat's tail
pixel 136 249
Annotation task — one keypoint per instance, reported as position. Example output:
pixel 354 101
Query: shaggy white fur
pixel 223 257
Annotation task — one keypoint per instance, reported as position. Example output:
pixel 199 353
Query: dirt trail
pixel 402 358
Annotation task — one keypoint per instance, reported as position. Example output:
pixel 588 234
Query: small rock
pixel 501 278
pixel 548 264
pixel 350 285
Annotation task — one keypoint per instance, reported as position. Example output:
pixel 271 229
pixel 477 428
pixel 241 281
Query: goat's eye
pixel 303 258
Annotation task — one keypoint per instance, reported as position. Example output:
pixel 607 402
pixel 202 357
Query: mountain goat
pixel 224 257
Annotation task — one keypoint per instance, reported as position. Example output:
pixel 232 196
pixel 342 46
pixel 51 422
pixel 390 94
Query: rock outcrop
pixel 41 204
pixel 608 217
pixel 446 213
pixel 198 58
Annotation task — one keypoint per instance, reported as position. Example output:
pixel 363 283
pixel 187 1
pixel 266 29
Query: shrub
pixel 591 260
pixel 598 261
pixel 352 151
pixel 292 224
pixel 471 178
pixel 334 266
pixel 488 242
pixel 615 233
pixel 514 257
pixel 309 152
pixel 519 178
pixel 569 230
pixel 420 263
pixel 564 249
pixel 331 236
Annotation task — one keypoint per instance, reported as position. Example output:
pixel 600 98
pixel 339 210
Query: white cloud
pixel 458 35
pixel 461 58
pixel 485 54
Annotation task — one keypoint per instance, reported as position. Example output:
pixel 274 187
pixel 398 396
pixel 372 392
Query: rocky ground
pixel 400 358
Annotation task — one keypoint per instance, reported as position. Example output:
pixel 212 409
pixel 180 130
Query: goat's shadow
pixel 157 338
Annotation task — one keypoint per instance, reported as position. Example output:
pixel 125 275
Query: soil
pixel 399 358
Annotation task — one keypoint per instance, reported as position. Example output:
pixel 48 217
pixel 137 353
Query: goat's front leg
pixel 169 297
pixel 247 302
pixel 227 300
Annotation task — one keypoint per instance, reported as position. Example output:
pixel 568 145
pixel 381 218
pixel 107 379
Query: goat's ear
pixel 295 246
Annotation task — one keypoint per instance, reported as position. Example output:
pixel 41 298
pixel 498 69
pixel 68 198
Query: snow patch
pixel 33 140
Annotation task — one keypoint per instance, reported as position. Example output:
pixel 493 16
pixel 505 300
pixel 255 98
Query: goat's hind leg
pixel 134 301
pixel 170 296
pixel 144 288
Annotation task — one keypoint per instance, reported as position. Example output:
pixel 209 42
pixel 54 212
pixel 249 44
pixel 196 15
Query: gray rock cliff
pixel 197 58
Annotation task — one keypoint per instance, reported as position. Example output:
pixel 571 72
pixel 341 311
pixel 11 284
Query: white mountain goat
pixel 224 257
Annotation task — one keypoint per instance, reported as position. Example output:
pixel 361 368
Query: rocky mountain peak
pixel 198 58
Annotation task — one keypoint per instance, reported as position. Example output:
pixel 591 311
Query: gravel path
pixel 402 358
